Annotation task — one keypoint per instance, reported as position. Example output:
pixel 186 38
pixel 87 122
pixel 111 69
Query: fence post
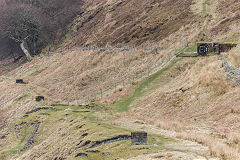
pixel 101 93
pixel 186 43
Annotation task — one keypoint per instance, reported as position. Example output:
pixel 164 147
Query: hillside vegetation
pixel 133 82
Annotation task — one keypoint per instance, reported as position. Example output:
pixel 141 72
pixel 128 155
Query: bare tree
pixel 23 24
pixel 33 23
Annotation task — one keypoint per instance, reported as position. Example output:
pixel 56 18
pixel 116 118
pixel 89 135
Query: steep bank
pixel 190 94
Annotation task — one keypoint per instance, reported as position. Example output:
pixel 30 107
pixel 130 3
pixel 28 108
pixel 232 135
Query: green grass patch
pixel 37 72
pixel 190 51
pixel 17 140
pixel 22 97
pixel 123 104
pixel 204 7
pixel 2 78
pixel 62 121
pixel 191 48
pixel 5 155
pixel 45 50
pixel 179 51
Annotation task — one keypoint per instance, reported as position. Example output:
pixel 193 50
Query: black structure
pixel 139 138
pixel 203 48
pixel 20 81
pixel 39 98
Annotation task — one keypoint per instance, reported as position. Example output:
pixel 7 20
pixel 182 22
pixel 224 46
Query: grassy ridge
pixel 66 125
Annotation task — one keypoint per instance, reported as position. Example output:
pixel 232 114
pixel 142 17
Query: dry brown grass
pixel 236 109
pixel 211 79
pixel 233 138
pixel 217 148
pixel 164 123
pixel 149 21
pixel 80 74
pixel 234 57
pixel 170 124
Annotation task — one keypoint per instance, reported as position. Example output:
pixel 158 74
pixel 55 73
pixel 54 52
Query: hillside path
pixel 179 149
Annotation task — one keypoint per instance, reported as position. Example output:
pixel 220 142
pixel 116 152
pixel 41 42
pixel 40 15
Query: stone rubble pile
pixel 233 73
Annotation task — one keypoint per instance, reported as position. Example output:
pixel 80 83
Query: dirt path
pixel 179 149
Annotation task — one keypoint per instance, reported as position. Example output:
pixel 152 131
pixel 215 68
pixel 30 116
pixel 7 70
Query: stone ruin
pixel 139 138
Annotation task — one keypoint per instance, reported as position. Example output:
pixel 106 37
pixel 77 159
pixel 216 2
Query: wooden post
pixel 101 92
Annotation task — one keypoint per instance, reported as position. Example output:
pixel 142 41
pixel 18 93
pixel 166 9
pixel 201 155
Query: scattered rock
pixel 22 123
pixel 111 140
pixel 54 105
pixel 81 155
pixel 31 139
pixel 93 151
pixel 79 142
pixel 81 126
pixel 58 158
pixel 86 143
pixel 3 137
pixel 84 135
pixel 38 109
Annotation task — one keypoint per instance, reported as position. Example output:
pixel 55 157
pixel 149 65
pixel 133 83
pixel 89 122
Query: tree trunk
pixel 25 51
pixel 34 46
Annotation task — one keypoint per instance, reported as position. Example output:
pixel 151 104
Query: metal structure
pixel 203 48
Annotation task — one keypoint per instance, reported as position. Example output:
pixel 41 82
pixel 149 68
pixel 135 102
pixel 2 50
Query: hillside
pixel 115 72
